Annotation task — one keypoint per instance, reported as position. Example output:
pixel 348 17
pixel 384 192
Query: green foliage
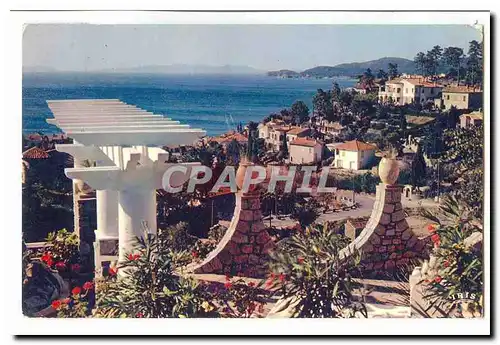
pixel 322 105
pixel 418 169
pixel 177 237
pixel 313 277
pixel 202 248
pixel 300 112
pixel 464 148
pixel 392 70
pixel 474 74
pixel 465 153
pixel 149 287
pixel 252 134
pixel 217 232
pixel 305 214
pixel 460 266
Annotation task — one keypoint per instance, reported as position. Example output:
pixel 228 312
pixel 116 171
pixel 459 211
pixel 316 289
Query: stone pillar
pixel 136 212
pixel 245 246
pixel 387 241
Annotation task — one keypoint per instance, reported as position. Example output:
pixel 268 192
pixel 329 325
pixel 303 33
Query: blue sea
pixel 214 103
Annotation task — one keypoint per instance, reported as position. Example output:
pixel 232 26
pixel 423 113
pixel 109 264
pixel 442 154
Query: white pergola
pixel 124 143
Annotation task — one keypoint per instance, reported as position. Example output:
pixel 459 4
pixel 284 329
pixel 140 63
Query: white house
pixel 409 90
pixel 471 119
pixel 354 155
pixel 305 150
pixel 331 128
pixel 297 132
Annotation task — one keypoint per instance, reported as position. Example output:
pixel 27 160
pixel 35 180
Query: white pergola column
pixel 136 210
pixel 107 213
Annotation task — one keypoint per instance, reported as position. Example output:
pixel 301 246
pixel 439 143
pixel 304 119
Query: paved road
pixel 364 210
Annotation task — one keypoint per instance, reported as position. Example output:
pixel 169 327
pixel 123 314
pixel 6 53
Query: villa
pixel 409 90
pixel 305 151
pixel 354 155
pixel 460 97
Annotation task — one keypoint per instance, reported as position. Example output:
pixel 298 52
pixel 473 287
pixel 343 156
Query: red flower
pixel 134 257
pixel 76 290
pixel 261 308
pixel 75 267
pixel 56 304
pixel 251 307
pixel 435 238
pixel 251 284
pixel 272 275
pixel 194 253
pixel 88 286
pixel 228 285
pixel 112 271
pixel 47 258
pixel 300 260
pixel 269 283
pixel 431 228
pixel 139 315
pixel 60 265
pixel 438 279
pixel 282 277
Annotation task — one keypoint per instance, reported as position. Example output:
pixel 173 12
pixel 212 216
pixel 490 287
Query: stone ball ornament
pixel 388 170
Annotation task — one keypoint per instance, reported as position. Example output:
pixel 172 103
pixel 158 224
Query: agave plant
pixel 315 281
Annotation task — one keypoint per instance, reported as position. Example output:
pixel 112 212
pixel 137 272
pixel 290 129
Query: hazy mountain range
pixel 345 69
pixel 349 69
pixel 159 69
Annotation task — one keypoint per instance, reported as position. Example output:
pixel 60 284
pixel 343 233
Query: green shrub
pixel 313 277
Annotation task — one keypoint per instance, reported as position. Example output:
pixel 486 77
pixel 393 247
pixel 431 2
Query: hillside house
pixel 305 151
pixel 297 132
pixel 471 119
pixel 460 97
pixel 354 155
pixel 409 90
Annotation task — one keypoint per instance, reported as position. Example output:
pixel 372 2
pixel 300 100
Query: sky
pixel 81 47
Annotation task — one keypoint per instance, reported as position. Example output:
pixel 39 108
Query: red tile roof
pixel 355 145
pixel 228 137
pixel 305 142
pixel 297 130
pixel 35 153
pixel 422 82
pixel 461 89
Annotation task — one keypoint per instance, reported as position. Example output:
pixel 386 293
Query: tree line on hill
pixel 453 62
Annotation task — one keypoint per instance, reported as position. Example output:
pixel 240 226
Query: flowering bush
pixel 149 287
pixel 62 252
pixel 202 248
pixel 75 306
pixel 240 298
pixel 308 272
pixel 459 265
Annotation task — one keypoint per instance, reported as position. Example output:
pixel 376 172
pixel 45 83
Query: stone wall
pixel 245 246
pixel 387 241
